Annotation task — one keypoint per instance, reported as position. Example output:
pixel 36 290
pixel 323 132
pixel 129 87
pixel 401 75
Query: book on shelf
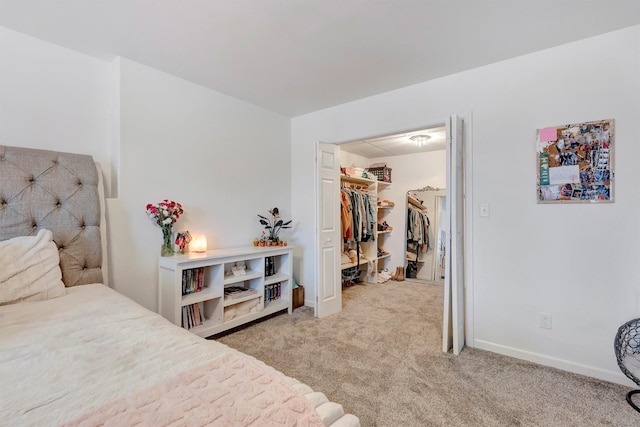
pixel 272 292
pixel 185 318
pixel 269 266
pixel 196 315
pixel 237 291
pixel 192 315
pixel 192 280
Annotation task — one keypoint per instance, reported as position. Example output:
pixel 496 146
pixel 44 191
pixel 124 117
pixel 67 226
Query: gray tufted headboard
pixel 61 192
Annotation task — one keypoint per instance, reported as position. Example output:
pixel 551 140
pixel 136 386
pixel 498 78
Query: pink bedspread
pixel 94 357
pixel 231 390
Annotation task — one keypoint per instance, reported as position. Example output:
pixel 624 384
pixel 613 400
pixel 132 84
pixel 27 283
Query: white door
pixel 329 284
pixel 453 324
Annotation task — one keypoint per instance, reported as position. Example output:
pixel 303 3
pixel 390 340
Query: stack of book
pixel 237 292
pixel 192 315
pixel 192 280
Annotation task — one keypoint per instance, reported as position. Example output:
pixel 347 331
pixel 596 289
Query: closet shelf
pixel 416 203
pixel 355 180
pixel 352 264
pixel 369 263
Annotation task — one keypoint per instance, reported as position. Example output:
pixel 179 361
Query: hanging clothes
pixel 358 215
pixel 417 226
pixel 346 215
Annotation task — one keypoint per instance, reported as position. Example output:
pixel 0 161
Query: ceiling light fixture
pixel 420 140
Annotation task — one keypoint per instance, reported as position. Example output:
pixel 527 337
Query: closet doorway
pixel 412 165
pixel 457 144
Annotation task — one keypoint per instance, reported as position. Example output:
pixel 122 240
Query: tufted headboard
pixel 61 192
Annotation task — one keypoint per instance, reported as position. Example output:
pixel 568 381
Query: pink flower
pixel 164 213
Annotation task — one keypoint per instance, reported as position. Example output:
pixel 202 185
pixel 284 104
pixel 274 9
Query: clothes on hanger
pixel 359 224
pixel 346 215
pixel 358 215
pixel 417 226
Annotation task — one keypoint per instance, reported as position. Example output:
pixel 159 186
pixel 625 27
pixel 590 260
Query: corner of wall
pixel 114 126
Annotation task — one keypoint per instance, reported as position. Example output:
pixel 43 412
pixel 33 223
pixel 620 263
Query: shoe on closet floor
pixel 384 276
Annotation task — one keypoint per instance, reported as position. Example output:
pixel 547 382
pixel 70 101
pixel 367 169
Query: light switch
pixel 484 210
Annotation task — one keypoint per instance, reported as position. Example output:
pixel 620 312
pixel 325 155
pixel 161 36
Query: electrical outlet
pixel 545 320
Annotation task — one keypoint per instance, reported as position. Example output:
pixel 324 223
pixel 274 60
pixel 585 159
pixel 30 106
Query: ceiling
pixel 298 56
pixel 397 145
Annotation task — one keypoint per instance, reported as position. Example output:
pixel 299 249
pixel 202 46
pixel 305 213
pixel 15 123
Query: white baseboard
pixel 565 365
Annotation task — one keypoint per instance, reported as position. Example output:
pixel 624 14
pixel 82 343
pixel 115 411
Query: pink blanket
pixel 232 390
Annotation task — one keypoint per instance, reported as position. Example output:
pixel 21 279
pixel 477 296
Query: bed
pixel 73 352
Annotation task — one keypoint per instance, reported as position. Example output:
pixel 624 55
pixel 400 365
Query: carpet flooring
pixel 381 359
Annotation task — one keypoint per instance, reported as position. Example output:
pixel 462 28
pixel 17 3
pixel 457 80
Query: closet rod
pixel 354 186
pixel 427 188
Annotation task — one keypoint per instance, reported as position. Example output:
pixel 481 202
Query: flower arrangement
pixel 273 226
pixel 165 214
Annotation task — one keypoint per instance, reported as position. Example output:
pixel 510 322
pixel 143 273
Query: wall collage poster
pixel 575 163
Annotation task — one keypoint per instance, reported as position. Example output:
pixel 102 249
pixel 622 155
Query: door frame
pixel 468 215
pixel 467 149
pixel 467 233
pixel 453 327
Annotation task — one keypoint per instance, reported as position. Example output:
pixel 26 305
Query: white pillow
pixel 30 269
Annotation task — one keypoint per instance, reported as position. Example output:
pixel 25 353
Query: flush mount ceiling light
pixel 420 140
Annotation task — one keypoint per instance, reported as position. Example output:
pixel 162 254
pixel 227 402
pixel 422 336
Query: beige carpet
pixel 381 359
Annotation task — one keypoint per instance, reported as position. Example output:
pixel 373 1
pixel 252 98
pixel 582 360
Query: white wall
pixel 53 98
pixel 349 159
pixel 577 262
pixel 225 160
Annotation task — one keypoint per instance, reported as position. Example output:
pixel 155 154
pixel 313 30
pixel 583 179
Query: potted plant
pixel 273 226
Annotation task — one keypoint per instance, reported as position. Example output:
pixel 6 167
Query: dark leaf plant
pixel 274 225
